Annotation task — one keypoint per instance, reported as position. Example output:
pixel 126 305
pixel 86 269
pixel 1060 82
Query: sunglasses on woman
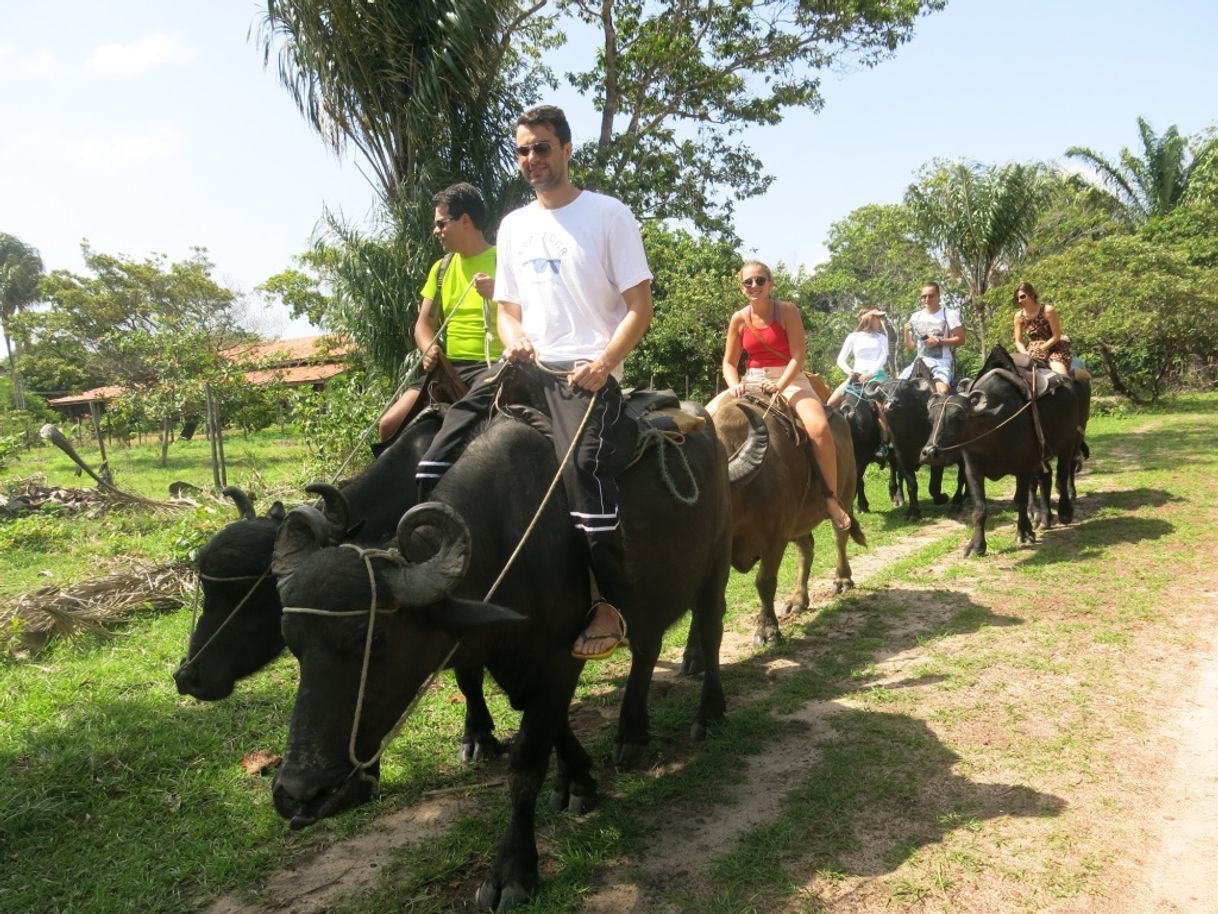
pixel 754 281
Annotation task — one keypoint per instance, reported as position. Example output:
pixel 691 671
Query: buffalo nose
pixel 930 452
pixel 186 677
pixel 295 786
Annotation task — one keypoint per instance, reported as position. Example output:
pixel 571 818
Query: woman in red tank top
pixel 771 333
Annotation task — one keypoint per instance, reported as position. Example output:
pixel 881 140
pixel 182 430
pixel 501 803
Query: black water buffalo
pixel 776 499
pixel 991 425
pixel 426 603
pixel 905 404
pixel 238 630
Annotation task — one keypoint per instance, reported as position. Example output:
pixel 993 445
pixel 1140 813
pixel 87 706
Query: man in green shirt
pixel 465 294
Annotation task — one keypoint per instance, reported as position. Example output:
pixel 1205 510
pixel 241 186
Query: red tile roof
pixel 97 393
pixel 317 348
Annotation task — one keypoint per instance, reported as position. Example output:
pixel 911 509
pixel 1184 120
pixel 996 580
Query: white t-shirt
pixel 567 268
pixel 939 324
pixel 870 352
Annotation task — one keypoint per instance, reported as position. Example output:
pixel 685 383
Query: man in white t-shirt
pixel 574 294
pixel 934 332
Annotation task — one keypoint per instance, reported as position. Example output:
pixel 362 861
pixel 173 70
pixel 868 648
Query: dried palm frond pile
pixel 32 620
pixel 32 493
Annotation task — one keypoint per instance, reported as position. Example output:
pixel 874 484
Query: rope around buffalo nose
pixel 194 609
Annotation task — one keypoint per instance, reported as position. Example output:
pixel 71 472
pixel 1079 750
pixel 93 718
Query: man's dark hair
pixel 461 199
pixel 551 116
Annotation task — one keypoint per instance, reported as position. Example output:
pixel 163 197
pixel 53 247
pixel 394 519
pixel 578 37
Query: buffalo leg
pixel 936 486
pixel 513 879
pixel 896 480
pixel 860 494
pixel 798 600
pixel 961 486
pixel 844 579
pixel 1065 490
pixel 574 786
pixel 478 742
pixel 634 725
pixel 1023 523
pixel 909 472
pixel 976 487
pixel 709 610
pixel 767 583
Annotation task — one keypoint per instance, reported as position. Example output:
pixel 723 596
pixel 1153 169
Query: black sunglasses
pixel 754 281
pixel 542 148
pixel 440 223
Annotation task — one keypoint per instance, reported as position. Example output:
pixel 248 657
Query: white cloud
pixel 32 63
pixel 150 51
pixel 113 153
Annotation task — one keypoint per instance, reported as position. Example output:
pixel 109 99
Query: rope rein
pixel 934 435
pixel 410 371
pixel 194 610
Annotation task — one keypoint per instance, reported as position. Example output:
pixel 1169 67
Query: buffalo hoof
pixel 898 500
pixel 766 636
pixel 692 665
pixel 973 550
pixel 939 498
pixel 565 800
pixel 841 585
pixel 705 729
pixel 1066 516
pixel 792 606
pixel 494 898
pixel 482 749
pixel 913 514
pixel 628 756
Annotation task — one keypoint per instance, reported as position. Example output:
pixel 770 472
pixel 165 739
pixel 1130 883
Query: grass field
pixel 974 743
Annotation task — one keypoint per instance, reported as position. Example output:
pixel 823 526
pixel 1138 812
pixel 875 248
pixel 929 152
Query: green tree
pixel 121 314
pixel 1145 184
pixel 675 83
pixel 695 294
pixel 977 219
pixel 1130 305
pixel 874 261
pixel 20 272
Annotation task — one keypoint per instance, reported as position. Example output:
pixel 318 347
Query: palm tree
pixel 1148 185
pixel 20 272
pixel 977 218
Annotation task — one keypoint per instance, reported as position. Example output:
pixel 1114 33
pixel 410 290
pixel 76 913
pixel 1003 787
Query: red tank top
pixel 768 347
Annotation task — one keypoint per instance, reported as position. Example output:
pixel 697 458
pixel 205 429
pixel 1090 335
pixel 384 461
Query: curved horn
pixel 245 507
pixel 873 389
pixel 302 533
pixel 337 510
pixel 426 580
pixel 751 454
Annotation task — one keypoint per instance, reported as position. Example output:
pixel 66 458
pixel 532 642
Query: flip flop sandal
pixel 618 639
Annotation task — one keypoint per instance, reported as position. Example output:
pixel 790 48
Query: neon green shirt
pixel 466 330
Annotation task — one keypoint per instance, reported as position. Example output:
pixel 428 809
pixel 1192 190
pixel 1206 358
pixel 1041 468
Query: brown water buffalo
pixel 410 608
pixel 776 499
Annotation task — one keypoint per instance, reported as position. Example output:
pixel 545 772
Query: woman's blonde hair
pixel 754 263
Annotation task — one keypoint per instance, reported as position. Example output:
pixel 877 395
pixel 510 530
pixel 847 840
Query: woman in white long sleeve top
pixel 868 344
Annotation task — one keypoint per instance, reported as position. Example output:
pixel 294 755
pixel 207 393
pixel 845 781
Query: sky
pixel 152 126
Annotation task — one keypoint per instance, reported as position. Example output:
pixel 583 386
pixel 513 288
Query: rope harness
pixel 194 609
pixel 934 434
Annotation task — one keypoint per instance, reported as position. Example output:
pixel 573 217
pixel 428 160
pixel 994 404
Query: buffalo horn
pixel 337 511
pixel 748 458
pixel 423 582
pixel 302 533
pixel 245 507
pixel 978 401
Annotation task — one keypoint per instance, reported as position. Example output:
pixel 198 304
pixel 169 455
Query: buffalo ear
pixel 923 386
pixel 978 401
pixel 303 532
pixel 277 512
pixel 459 617
pixel 965 385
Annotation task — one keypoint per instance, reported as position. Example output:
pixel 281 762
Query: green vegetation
pixel 921 741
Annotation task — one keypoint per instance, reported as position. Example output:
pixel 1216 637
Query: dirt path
pixel 1180 873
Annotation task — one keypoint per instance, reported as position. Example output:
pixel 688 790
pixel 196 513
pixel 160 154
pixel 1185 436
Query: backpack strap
pixel 438 301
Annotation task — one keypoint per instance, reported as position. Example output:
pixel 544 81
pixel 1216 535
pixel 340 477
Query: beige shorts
pixel 754 376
